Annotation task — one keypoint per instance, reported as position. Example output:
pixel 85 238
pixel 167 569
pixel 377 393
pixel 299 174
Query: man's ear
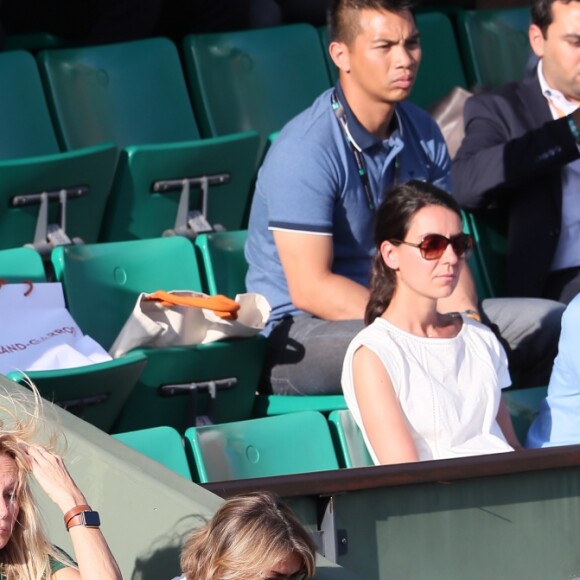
pixel 390 255
pixel 340 55
pixel 536 40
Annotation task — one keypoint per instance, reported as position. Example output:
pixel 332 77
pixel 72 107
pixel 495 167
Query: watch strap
pixel 87 518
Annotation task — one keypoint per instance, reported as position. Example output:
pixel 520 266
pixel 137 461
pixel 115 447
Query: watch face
pixel 91 519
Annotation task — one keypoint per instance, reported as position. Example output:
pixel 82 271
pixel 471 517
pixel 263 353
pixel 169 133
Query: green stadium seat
pixel 224 264
pixel 163 444
pixel 489 228
pixel 19 264
pixel 269 446
pixel 254 79
pixel 269 405
pixel 95 393
pixel 441 69
pixel 34 41
pixel 495 44
pixel 31 164
pixel 477 268
pixel 134 94
pixel 350 446
pixel 179 384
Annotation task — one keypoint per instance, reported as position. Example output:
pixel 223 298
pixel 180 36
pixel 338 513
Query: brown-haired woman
pixel 422 384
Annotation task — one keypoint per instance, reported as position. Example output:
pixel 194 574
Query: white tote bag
pixel 37 332
pixel 185 317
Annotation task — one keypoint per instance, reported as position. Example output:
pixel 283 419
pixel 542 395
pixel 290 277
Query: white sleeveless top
pixel 449 388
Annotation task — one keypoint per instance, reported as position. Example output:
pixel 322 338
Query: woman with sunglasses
pixel 251 537
pixel 422 384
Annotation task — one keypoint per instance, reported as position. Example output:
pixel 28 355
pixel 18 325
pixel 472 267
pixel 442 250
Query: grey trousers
pixel 305 354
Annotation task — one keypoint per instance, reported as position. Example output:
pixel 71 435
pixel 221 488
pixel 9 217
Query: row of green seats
pixel 286 444
pixel 146 387
pixel 300 442
pixel 129 104
pixel 122 151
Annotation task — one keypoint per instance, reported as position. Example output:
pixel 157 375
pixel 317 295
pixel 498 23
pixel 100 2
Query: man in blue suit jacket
pixel 521 153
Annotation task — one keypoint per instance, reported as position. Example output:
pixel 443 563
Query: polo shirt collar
pixel 360 135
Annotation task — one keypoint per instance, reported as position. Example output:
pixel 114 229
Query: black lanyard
pixel 357 153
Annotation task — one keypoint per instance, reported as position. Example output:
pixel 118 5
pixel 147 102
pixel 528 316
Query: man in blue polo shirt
pixel 310 233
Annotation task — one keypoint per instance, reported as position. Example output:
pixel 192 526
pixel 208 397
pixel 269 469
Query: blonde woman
pixel 25 551
pixel 251 537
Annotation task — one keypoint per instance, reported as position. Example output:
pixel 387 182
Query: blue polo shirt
pixel 309 182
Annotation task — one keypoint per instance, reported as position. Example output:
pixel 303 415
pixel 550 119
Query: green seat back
pixel 102 281
pixel 27 130
pixel 495 44
pixel 524 405
pixel 96 393
pixel 135 211
pixel 134 94
pixel 92 167
pixel 489 228
pixel 293 443
pixel 254 79
pixel 270 405
pixel 441 68
pixel 101 284
pixel 31 163
pixel 223 260
pixel 350 446
pixel 131 93
pixel 479 272
pixel 34 41
pixel 18 264
pixel 163 444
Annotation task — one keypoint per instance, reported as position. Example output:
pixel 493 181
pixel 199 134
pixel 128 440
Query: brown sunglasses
pixel 433 246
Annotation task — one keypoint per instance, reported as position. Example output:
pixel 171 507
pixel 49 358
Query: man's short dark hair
pixel 542 15
pixel 342 15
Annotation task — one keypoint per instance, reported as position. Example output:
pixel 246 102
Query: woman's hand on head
pixel 52 475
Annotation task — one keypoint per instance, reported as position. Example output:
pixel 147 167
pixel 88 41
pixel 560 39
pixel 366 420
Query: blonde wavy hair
pixel 27 554
pixel 247 535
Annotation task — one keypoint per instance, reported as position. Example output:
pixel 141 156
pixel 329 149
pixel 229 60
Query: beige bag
pixel 184 317
pixel 448 114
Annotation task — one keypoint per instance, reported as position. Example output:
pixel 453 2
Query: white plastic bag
pixel 38 333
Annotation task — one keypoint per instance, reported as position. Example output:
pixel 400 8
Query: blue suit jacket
pixel 511 158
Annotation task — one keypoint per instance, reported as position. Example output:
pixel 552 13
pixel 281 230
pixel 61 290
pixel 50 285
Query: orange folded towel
pixel 223 306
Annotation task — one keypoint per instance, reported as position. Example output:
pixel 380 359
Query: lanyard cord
pixel 357 152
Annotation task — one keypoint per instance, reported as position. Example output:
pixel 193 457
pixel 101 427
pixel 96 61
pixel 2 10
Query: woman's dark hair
pixel 392 222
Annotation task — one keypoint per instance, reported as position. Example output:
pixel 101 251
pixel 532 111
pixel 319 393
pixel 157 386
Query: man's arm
pixel 314 288
pixel 489 159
